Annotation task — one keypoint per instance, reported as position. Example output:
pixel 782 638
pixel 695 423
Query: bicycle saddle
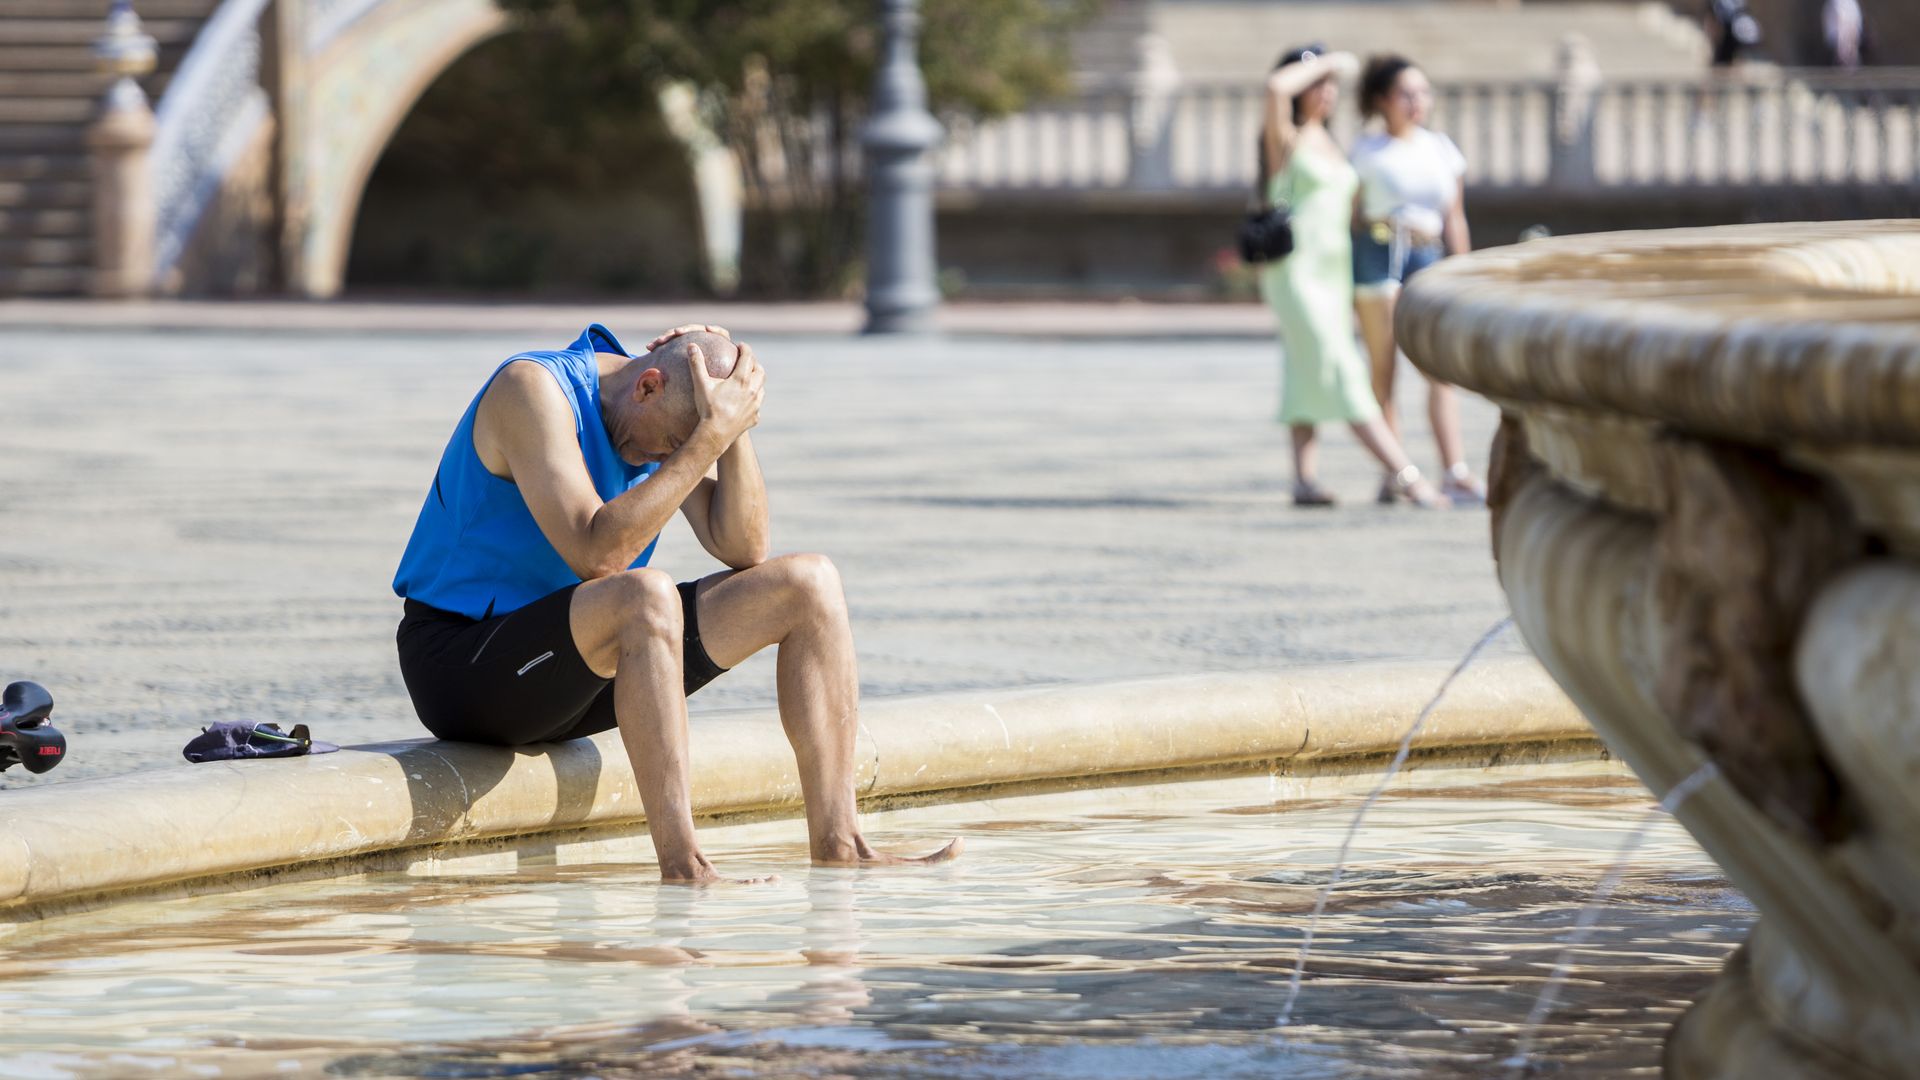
pixel 26 738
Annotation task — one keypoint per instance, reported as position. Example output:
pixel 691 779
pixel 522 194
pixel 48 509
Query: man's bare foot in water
pixel 698 871
pixel 860 853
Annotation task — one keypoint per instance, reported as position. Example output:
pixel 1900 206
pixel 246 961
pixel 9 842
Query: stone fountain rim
pixel 226 825
pixel 1808 332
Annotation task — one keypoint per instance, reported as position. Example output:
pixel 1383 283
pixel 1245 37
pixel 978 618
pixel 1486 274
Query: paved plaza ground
pixel 201 523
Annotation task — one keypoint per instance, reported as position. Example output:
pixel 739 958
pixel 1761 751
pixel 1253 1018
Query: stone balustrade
pixel 1574 134
pixel 1706 512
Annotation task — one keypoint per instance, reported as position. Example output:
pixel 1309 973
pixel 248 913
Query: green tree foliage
pixel 984 57
pixel 521 170
pixel 785 83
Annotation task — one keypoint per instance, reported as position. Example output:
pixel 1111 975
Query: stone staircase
pixel 49 92
pixel 1109 45
pixel 1453 39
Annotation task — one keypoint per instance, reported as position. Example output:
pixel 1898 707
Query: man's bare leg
pixel 796 602
pixel 628 628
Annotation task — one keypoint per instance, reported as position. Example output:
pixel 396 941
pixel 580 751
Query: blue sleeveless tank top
pixel 476 549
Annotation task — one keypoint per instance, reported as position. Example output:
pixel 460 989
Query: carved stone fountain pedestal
pixel 1706 513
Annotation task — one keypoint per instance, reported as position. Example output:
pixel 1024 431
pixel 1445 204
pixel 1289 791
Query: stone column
pixel 717 185
pixel 1574 94
pixel 1150 114
pixel 118 143
pixel 283 74
pixel 901 294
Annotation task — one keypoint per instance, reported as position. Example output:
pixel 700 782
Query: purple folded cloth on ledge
pixel 252 739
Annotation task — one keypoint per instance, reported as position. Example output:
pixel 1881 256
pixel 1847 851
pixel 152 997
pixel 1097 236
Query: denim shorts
pixel 1375 266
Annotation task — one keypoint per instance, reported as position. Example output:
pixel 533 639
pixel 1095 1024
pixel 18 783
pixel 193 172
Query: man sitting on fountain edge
pixel 531 615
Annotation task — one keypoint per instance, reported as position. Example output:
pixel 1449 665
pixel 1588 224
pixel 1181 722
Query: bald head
pixel 673 360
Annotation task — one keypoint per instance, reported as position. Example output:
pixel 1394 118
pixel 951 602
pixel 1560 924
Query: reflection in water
pixel 834 992
pixel 1135 932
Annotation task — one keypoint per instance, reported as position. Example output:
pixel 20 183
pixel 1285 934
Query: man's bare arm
pixel 738 514
pixel 728 510
pixel 525 426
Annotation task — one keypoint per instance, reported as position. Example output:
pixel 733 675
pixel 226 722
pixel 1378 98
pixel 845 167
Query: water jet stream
pixel 1346 843
pixel 1590 914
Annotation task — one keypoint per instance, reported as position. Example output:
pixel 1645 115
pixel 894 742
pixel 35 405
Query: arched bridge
pixel 274 123
pixel 270 116
pixel 365 64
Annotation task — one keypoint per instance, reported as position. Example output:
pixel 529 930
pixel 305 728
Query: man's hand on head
pixel 687 329
pixel 729 403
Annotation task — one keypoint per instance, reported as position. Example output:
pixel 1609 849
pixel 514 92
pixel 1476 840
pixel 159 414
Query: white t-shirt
pixel 1412 180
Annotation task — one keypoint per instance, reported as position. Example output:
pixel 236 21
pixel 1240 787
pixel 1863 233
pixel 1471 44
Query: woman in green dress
pixel 1311 290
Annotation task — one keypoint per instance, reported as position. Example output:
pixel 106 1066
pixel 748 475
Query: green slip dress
pixel 1323 376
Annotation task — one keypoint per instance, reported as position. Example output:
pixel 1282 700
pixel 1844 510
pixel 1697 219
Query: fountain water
pixel 1346 843
pixel 1590 914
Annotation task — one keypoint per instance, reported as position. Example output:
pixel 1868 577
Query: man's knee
pixel 649 605
pixel 815 581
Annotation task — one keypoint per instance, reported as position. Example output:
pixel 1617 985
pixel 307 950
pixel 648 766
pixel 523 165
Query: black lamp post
pixel 901 294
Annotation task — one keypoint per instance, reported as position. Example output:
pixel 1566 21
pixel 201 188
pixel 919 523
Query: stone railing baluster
pixel 119 143
pixel 1882 111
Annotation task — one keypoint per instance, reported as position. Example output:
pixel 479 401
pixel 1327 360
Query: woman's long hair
pixel 1291 56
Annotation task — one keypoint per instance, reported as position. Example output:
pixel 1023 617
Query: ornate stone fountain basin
pixel 1706 514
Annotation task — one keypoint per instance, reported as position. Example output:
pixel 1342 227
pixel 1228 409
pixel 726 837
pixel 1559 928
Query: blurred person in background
pixel 1732 29
pixel 1844 27
pixel 1324 379
pixel 1410 213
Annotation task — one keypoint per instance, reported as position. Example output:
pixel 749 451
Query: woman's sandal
pixel 1408 485
pixel 1464 488
pixel 1312 495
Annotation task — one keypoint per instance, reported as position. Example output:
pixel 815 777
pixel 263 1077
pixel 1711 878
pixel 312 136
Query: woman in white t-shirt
pixel 1408 214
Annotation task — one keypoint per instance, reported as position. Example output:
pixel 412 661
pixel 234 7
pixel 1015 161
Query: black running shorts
pixel 518 678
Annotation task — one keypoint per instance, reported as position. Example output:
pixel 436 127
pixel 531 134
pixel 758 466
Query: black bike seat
pixel 27 702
